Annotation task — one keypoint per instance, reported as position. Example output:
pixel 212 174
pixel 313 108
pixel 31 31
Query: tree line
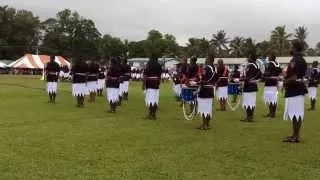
pixel 75 37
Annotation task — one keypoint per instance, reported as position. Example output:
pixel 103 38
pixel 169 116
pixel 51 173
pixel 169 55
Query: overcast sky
pixel 132 19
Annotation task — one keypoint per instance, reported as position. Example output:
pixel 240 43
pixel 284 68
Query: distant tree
pixel 136 49
pixel 219 42
pixel 197 47
pixel 248 47
pixel 236 47
pixel 19 32
pixel 318 49
pixel 154 45
pixel 280 41
pixel 263 48
pixel 311 52
pixel 301 34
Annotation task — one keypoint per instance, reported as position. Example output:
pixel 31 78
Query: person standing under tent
pixel 152 79
pixel 271 76
pixel 113 84
pixel 92 81
pixel 314 78
pixel 79 72
pixel 126 78
pixel 101 81
pixel 52 72
pixel 222 84
pixel 250 87
pixel 206 92
pixel 295 90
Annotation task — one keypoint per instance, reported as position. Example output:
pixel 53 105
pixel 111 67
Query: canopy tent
pixel 30 61
pixel 3 65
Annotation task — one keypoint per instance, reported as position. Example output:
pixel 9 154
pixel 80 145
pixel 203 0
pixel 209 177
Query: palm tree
pixel 301 34
pixel 236 46
pixel 263 48
pixel 249 47
pixel 220 42
pixel 280 40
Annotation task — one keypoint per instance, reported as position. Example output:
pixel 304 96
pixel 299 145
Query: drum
pixel 234 89
pixel 188 94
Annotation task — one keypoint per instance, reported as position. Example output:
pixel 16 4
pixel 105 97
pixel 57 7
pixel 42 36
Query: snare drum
pixel 234 89
pixel 188 93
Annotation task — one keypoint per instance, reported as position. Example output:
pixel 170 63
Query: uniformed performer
pixel 193 72
pixel 126 68
pixel 250 88
pixel 235 78
pixel 295 90
pixel 79 72
pixel 113 84
pixel 92 81
pixel 271 75
pixel 222 84
pixel 176 82
pixel 152 78
pixel 101 80
pixel 52 71
pixel 313 78
pixel 206 93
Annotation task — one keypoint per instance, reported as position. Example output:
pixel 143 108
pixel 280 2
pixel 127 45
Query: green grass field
pixel 43 141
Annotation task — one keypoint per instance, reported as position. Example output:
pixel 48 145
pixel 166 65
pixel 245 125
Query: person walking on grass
pixel 271 76
pixel 52 72
pixel 151 86
pixel 206 93
pixel 92 82
pixel 314 78
pixel 113 84
pixel 250 88
pixel 295 90
pixel 79 80
pixel 222 84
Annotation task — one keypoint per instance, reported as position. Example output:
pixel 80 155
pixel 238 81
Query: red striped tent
pixel 30 61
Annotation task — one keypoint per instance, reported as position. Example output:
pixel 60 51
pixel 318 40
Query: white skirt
pixel 113 95
pixel 121 89
pixel 126 86
pixel 312 93
pixel 151 97
pixel 66 75
pixel 270 95
pixel 205 106
pixel 52 87
pixel 177 89
pixel 249 100
pixel 222 93
pixel 101 83
pixel 78 89
pixel 61 74
pixel 92 86
pixel 294 107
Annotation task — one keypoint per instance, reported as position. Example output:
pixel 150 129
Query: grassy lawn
pixel 43 141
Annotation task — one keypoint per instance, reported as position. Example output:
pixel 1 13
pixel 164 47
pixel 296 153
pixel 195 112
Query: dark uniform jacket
pixel 207 82
pixel 314 77
pixel 222 75
pixel 93 71
pixel 101 74
pixel 252 75
pixel 79 71
pixel 113 77
pixel 297 67
pixel 192 73
pixel 152 75
pixel 272 74
pixel 126 72
pixel 235 75
pixel 52 70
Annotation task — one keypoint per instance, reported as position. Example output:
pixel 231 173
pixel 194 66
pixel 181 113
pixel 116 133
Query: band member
pixel 271 75
pixel 235 78
pixel 250 88
pixel 176 82
pixel 222 84
pixel 113 84
pixel 183 71
pixel 79 71
pixel 101 81
pixel 206 93
pixel 92 81
pixel 295 90
pixel 314 78
pixel 126 77
pixel 52 71
pixel 152 78
pixel 193 72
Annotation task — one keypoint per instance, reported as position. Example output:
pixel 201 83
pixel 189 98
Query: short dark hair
pixel 273 57
pixel 52 58
pixel 211 57
pixel 193 59
pixel 297 45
